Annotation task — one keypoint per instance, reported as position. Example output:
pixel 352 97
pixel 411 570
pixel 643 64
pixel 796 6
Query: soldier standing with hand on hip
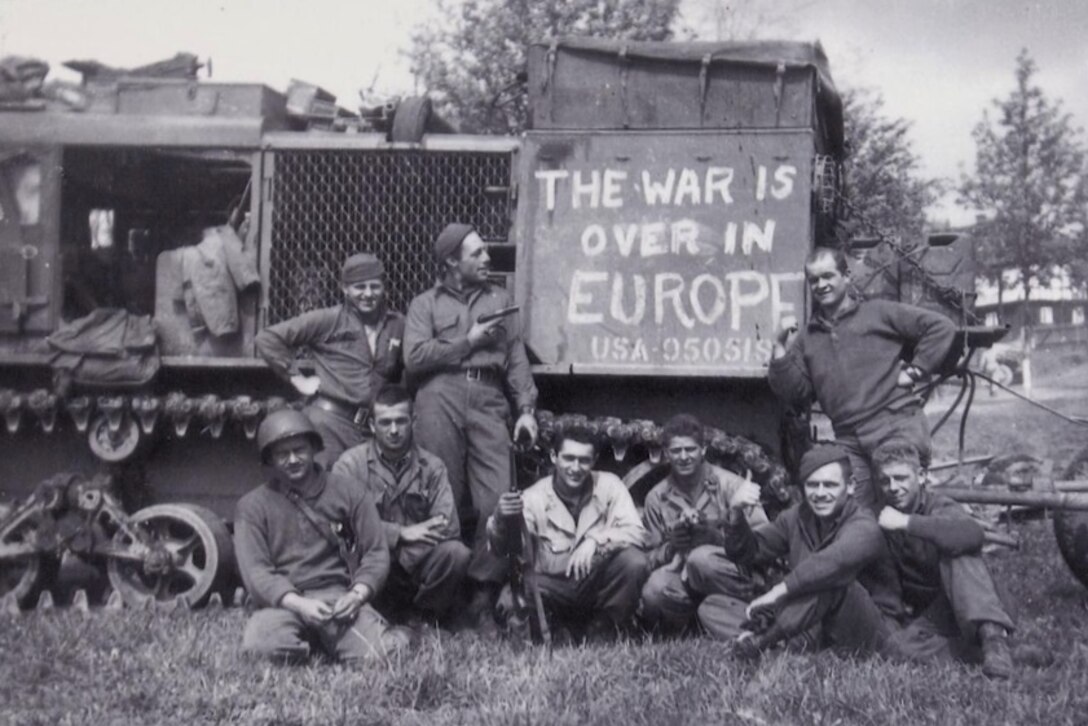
pixel 466 367
pixel 355 347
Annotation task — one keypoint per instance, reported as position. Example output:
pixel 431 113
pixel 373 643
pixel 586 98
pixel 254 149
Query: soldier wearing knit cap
pixel 841 589
pixel 355 348
pixel 466 369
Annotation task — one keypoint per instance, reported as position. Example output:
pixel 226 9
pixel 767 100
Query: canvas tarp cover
pixel 605 83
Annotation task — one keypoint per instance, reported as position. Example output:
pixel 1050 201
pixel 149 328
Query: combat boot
pixel 996 657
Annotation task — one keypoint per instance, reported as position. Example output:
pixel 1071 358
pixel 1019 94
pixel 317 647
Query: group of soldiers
pixel 355 542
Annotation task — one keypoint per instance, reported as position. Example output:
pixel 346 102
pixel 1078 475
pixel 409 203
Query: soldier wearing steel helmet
pixel 355 348
pixel 312 554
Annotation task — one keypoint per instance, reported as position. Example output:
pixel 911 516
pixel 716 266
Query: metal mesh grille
pixel 330 204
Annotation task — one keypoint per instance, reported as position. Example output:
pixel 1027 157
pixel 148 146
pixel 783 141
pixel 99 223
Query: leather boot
pixel 996 657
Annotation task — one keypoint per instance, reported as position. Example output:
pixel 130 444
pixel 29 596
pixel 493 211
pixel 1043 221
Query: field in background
pixel 64 667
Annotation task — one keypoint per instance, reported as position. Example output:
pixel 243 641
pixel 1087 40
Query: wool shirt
pixel 851 364
pixel 436 338
pixel 349 368
pixel 822 555
pixel 280 550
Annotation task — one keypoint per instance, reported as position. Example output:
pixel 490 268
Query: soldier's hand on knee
pixel 311 610
pixel 768 601
pixel 581 560
pixel 347 605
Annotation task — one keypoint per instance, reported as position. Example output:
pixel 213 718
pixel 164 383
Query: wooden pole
pixel 1050 500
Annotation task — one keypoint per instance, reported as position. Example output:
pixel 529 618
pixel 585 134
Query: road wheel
pixel 1071 527
pixel 191 555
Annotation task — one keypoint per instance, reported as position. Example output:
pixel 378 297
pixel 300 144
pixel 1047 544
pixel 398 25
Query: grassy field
pixel 66 667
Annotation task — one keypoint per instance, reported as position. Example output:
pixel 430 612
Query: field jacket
pixel 415 493
pixel 609 518
pixel 666 505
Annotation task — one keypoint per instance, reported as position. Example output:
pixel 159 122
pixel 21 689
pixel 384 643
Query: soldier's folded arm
pixel 789 378
pixel 951 529
pixel 760 545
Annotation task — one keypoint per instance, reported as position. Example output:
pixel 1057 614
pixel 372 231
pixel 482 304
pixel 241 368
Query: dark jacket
pixel 938 528
pixel 851 364
pixel 821 555
pixel 280 551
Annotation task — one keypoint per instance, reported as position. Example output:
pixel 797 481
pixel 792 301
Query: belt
pixel 355 414
pixel 480 375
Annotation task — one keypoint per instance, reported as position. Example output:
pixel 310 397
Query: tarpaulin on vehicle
pixel 107 347
pixel 593 83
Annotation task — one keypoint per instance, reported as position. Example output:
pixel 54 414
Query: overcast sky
pixel 937 62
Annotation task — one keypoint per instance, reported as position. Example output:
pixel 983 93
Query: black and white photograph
pixel 579 362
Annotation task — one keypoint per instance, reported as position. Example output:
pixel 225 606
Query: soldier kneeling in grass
pixel 419 517
pixel 684 516
pixel 312 553
pixel 937 550
pixel 587 538
pixel 841 590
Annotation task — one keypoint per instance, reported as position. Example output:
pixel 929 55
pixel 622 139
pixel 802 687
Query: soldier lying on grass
pixel 683 516
pixel 587 537
pixel 290 538
pixel 833 547
pixel 937 550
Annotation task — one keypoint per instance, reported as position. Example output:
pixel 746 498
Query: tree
pixel 1029 185
pixel 472 60
pixel 886 192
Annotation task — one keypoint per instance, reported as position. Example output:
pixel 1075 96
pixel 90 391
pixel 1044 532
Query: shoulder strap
pixel 323 526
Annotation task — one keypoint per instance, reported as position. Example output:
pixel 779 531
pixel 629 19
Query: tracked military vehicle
pixel 652 223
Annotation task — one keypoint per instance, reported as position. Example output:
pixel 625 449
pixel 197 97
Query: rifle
pixel 527 615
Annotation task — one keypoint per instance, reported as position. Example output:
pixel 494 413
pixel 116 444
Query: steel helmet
pixel 284 424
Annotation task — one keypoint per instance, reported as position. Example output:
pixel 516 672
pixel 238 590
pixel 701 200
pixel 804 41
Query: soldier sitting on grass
pixel 937 550
pixel 833 547
pixel 587 537
pixel 684 515
pixel 291 534
pixel 417 510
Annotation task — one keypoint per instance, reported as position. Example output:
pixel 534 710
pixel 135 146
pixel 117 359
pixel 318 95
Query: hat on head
pixel 819 456
pixel 360 267
pixel 451 238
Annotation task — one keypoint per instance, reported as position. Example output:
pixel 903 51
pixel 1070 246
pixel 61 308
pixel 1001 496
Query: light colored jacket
pixel 609 518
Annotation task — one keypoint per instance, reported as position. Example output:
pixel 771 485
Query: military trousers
pixel 908 424
pixel 844 618
pixel 670 597
pixel 466 424
pixel 947 628
pixel 432 587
